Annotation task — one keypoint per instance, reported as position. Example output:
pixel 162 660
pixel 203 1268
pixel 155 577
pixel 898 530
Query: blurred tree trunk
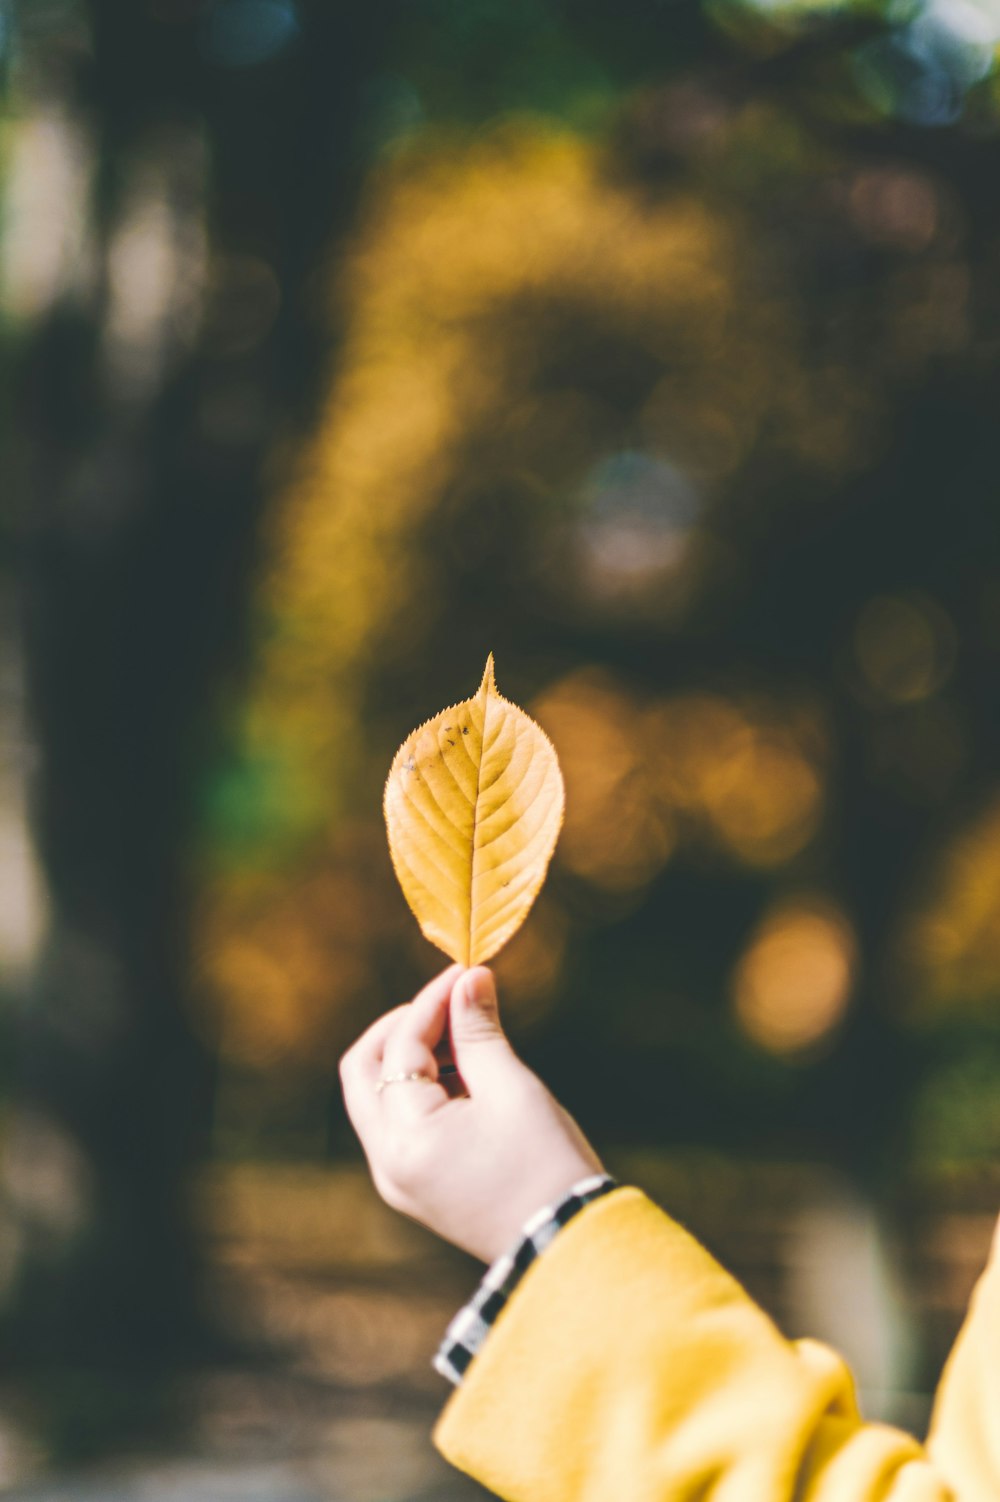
pixel 144 421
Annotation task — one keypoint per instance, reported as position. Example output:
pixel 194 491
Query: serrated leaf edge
pixel 535 888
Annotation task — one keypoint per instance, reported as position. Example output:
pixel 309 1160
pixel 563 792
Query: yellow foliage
pixel 951 946
pixel 473 806
pixel 284 966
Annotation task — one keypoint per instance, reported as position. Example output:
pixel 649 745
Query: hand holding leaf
pixel 473 806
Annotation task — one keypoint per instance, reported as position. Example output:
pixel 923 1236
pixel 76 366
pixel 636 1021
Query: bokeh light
pixel 905 647
pixel 793 984
pixel 921 68
pixel 616 834
pixel 46 248
pixel 637 516
pixel 748 776
pixel 246 33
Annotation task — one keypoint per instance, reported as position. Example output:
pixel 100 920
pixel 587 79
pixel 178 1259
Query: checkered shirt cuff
pixel 470 1327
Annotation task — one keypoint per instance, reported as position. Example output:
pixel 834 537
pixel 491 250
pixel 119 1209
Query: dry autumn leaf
pixel 473 806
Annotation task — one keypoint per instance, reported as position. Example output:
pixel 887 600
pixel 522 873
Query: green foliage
pixel 956 1116
pixel 475 61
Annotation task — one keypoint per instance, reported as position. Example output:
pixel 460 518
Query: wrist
pixel 468 1331
pixel 531 1207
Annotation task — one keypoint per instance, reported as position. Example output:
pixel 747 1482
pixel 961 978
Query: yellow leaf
pixel 473 807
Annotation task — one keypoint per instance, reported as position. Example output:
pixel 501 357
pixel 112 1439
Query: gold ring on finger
pixel 414 1077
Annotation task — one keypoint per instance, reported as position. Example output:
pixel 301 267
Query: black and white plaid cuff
pixel 470 1327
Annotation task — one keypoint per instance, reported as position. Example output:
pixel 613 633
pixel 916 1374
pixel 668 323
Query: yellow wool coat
pixel 630 1367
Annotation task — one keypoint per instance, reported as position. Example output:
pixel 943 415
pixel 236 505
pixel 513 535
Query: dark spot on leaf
pixel 465 729
pixel 451 743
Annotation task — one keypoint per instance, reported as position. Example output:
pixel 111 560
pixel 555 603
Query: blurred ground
pixel 351 1301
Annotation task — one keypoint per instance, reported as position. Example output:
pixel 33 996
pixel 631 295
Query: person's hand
pixel 472 1155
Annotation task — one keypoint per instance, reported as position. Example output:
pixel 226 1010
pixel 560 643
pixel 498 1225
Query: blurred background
pixel 654 347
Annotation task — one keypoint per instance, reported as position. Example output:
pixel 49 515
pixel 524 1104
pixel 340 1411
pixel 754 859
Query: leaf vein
pixel 523 814
pixel 461 833
pixel 441 870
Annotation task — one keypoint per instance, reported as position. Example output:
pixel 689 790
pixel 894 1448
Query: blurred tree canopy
pixel 654 348
pixel 664 410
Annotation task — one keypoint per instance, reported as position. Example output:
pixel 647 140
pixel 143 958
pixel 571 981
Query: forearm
pixel 627 1365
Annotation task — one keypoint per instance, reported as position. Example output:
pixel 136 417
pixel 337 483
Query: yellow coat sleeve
pixel 630 1367
pixel 965 1431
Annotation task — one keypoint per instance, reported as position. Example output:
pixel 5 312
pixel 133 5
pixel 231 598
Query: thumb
pixel 482 1054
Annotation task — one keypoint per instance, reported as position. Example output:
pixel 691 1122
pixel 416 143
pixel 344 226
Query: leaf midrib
pixel 473 844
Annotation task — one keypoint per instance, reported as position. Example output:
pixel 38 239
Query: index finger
pixel 412 1048
pixel 362 1064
